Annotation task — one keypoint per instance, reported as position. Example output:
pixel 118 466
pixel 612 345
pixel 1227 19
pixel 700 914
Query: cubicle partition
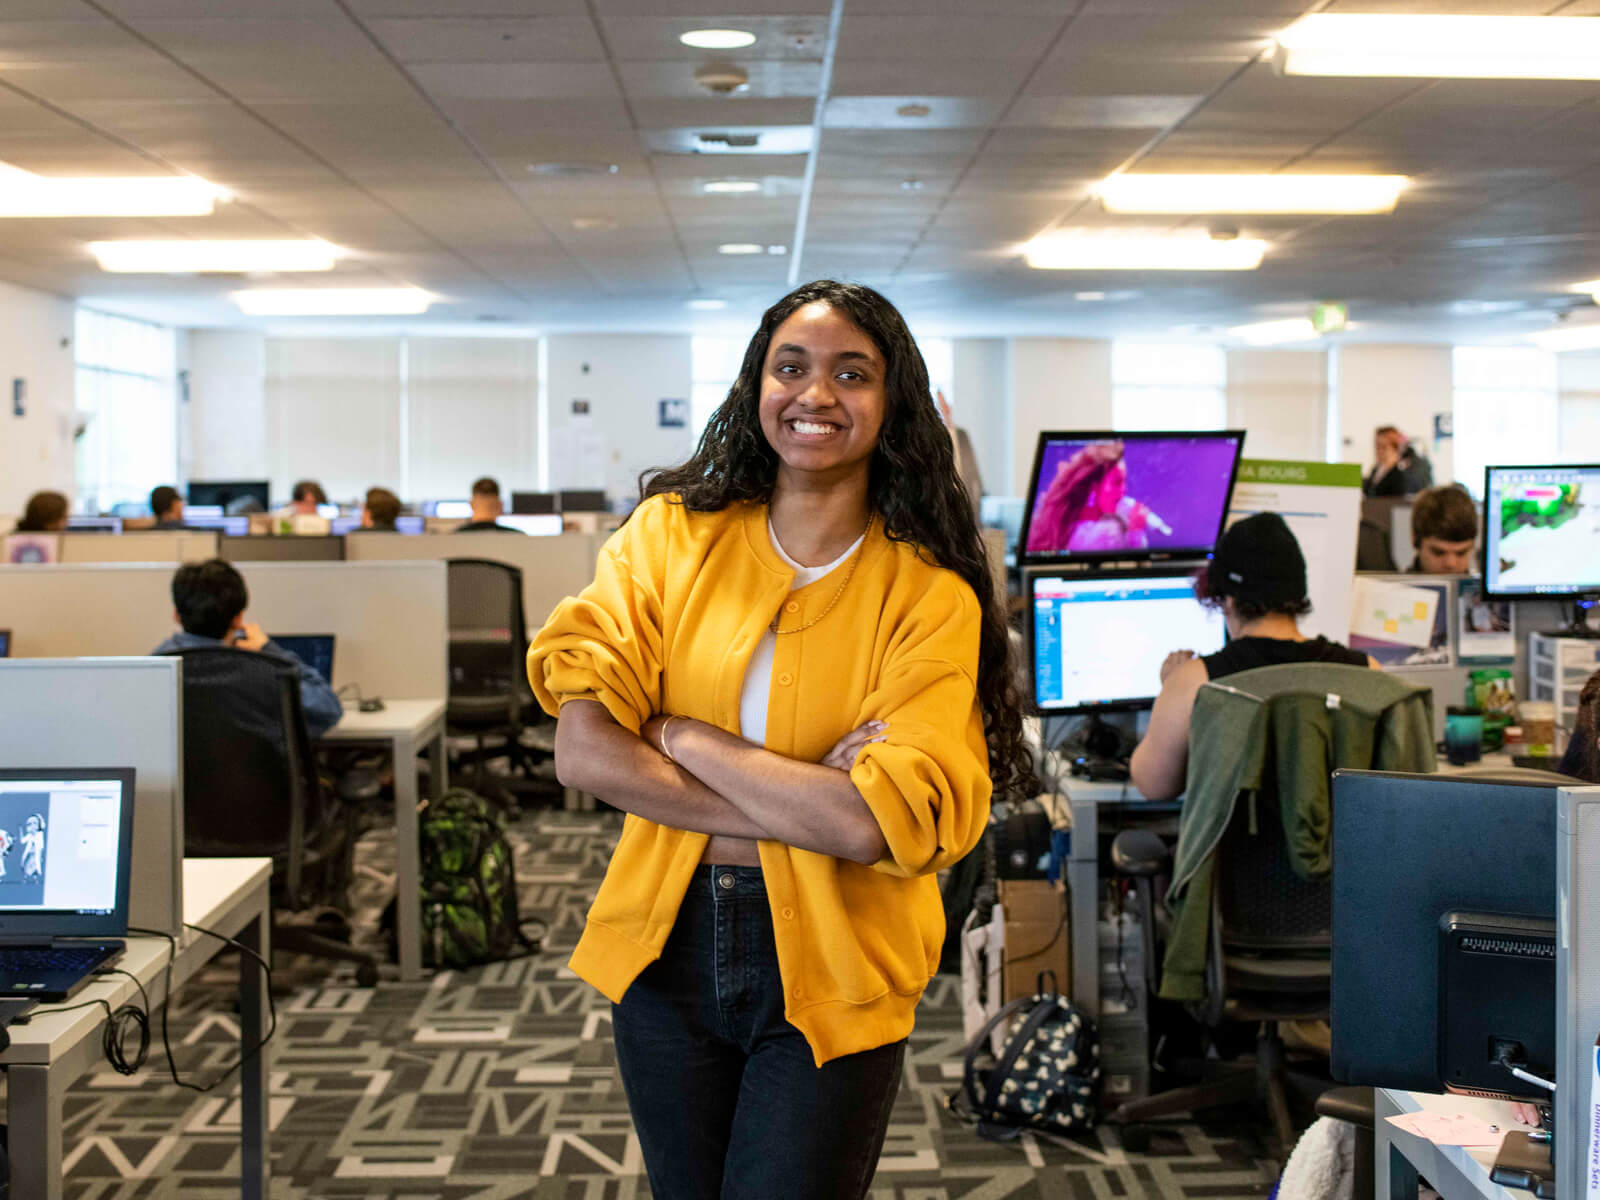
pixel 553 568
pixel 110 712
pixel 1577 987
pixel 151 546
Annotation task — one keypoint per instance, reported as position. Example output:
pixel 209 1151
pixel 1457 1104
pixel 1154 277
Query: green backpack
pixel 468 885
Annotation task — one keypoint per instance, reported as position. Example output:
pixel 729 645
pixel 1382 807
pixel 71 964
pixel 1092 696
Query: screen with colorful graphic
pixel 60 843
pixel 1128 495
pixel 1542 531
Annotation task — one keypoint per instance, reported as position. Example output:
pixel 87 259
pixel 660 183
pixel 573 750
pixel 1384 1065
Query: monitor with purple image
pixel 1098 496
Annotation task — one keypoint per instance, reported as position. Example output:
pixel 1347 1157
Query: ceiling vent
pixel 732 141
pixel 722 79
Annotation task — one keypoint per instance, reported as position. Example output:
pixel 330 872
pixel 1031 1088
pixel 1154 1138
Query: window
pixel 1157 385
pixel 1505 410
pixel 127 441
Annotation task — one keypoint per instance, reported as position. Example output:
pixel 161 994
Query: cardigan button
pixel 788 914
pixel 793 606
pixel 798 994
pixel 786 679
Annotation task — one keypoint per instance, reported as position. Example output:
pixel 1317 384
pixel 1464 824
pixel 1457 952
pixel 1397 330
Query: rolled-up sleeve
pixel 928 783
pixel 603 644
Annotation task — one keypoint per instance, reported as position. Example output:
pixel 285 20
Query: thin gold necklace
pixel 855 561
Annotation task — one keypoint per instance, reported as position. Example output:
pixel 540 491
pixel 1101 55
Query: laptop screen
pixel 313 649
pixel 65 847
pixel 5 643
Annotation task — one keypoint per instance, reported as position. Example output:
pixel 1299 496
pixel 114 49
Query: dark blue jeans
pixel 727 1100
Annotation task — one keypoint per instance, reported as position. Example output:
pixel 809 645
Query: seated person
pixel 46 513
pixel 166 506
pixel 486 507
pixel 1257 577
pixel 1582 759
pixel 1444 529
pixel 304 499
pixel 209 599
pixel 380 510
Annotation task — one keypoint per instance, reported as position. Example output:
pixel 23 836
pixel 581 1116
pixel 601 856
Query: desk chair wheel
pixel 367 974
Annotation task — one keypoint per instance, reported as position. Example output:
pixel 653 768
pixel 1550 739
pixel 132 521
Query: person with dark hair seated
pixel 486 507
pixel 1582 759
pixel 380 510
pixel 166 506
pixel 1444 529
pixel 209 599
pixel 305 498
pixel 1257 578
pixel 46 513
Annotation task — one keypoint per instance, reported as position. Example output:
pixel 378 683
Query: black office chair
pixel 251 790
pixel 489 692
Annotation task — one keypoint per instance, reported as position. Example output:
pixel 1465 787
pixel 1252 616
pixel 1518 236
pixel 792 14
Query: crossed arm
pixel 719 784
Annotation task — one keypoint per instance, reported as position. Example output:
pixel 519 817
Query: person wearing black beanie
pixel 1257 579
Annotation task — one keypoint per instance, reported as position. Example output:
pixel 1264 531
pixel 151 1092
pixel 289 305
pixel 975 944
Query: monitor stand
pixel 1106 749
pixel 1579 627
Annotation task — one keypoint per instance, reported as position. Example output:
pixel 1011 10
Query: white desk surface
pixel 214 891
pixel 398 719
pixel 1454 1170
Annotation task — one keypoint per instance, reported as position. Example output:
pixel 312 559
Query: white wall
pixel 1578 378
pixel 1280 399
pixel 333 414
pixel 1056 383
pixel 1400 385
pixel 980 397
pixel 622 378
pixel 35 346
pixel 471 410
pixel 227 415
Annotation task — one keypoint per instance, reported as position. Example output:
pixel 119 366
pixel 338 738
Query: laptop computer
pixel 5 643
pixel 313 649
pixel 66 844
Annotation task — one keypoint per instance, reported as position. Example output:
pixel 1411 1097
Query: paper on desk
pixel 1391 612
pixel 1449 1129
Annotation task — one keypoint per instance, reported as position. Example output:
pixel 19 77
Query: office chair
pixel 251 790
pixel 489 692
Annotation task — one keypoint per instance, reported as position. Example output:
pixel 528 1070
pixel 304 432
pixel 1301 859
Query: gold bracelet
pixel 664 749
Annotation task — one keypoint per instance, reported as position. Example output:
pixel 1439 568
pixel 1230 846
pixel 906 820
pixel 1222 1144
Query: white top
pixel 758 675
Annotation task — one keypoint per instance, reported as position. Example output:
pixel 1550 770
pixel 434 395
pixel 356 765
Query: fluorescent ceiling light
pixel 740 248
pixel 717 39
pixel 1250 193
pixel 707 304
pixel 1591 286
pixel 1435 47
pixel 1110 250
pixel 333 302
pixel 1568 337
pixel 24 194
pixel 731 187
pixel 1274 333
pixel 186 257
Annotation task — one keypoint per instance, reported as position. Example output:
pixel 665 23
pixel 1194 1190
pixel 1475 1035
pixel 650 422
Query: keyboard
pixel 74 958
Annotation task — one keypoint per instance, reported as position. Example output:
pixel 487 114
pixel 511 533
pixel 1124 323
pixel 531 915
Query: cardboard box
pixel 1038 936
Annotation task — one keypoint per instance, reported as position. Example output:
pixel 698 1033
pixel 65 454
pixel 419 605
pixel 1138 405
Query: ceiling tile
pixel 490 39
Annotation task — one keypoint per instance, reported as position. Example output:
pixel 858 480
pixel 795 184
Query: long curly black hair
pixel 913 486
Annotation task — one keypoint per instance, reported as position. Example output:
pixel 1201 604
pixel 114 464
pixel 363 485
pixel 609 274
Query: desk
pixel 1457 1172
pixel 229 895
pixel 406 728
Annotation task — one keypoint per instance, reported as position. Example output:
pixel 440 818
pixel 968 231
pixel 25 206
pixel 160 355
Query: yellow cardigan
pixel 679 601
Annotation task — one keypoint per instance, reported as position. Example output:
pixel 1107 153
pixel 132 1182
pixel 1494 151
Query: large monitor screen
pixel 1099 642
pixel 233 496
pixel 1128 495
pixel 1541 531
pixel 61 841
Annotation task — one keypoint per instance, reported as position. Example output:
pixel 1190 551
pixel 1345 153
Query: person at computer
pixel 1444 529
pixel 166 506
pixel 1257 578
pixel 1087 507
pixel 380 510
pixel 486 509
pixel 209 601
pixel 304 499
pixel 46 512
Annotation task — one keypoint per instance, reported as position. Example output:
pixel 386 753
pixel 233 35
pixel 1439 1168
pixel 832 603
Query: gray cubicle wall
pixel 110 712
pixel 151 545
pixel 1577 985
pixel 389 617
pixel 553 568
pixel 284 548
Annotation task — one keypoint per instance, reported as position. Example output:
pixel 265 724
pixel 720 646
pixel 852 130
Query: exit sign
pixel 1329 316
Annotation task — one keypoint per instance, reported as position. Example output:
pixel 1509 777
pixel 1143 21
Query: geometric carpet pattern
pixel 499 1084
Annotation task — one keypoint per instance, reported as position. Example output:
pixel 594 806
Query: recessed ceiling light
pixel 1088 296
pixel 1591 286
pixel 717 39
pixel 189 257
pixel 740 248
pixel 1250 193
pixel 24 194
pixel 592 224
pixel 911 185
pixel 1440 47
pixel 707 304
pixel 571 170
pixel 730 187
pixel 1112 250
pixel 912 110
pixel 1274 333
pixel 777 249
pixel 333 302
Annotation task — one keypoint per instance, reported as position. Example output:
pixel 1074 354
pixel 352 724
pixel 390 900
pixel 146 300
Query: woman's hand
pixel 1173 661
pixel 1527 1114
pixel 843 755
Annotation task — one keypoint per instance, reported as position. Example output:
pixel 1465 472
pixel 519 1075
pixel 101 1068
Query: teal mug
pixel 1463 735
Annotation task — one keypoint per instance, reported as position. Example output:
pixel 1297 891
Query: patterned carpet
pixel 498 1083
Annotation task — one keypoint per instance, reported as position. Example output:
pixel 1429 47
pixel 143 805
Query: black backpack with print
pixel 1046 1073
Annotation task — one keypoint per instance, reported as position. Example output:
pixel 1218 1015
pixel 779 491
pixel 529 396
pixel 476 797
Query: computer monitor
pixel 1541 532
pixel 450 510
pixel 69 845
pixel 234 496
pixel 313 649
pixel 537 524
pixel 94 524
pixel 230 526
pixel 410 524
pixel 1444 909
pixel 1096 641
pixel 1097 496
pixel 527 503
pixel 575 500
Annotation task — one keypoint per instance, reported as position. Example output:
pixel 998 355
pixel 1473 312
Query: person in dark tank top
pixel 1257 578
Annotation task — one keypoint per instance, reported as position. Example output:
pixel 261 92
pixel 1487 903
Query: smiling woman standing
pixel 791 672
